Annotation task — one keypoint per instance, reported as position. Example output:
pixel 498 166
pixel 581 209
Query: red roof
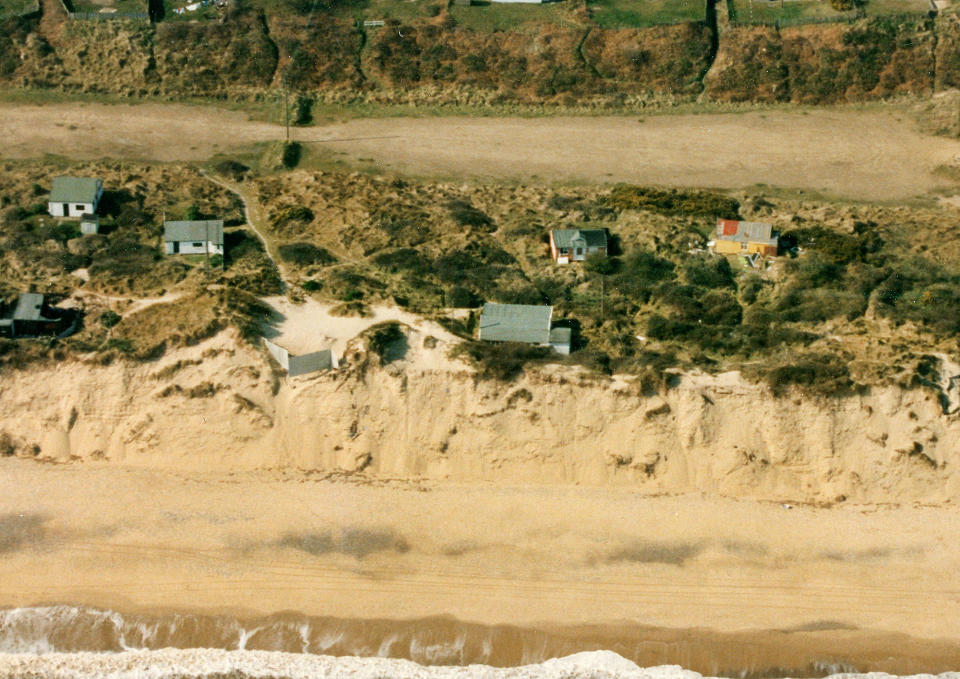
pixel 729 226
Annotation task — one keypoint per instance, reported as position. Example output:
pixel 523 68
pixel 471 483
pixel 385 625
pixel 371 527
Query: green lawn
pixel 638 13
pixel 503 17
pixel 96 6
pixel 799 11
pixel 402 10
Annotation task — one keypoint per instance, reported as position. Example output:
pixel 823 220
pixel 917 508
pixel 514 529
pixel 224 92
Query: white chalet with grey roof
pixel 74 196
pixel 193 238
pixel 524 323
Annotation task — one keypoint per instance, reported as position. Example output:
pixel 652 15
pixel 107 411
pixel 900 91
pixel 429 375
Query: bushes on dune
pixel 674 202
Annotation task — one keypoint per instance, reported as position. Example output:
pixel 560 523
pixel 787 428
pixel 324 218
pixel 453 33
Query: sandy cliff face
pixel 220 406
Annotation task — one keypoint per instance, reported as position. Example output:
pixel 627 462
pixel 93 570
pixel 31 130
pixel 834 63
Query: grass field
pixel 638 13
pixel 124 6
pixel 799 11
pixel 497 17
pixel 402 10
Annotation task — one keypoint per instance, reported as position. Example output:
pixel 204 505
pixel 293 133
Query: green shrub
pixel 108 319
pixel 465 214
pixel 291 154
pixel 231 168
pixel 119 344
pixel 404 260
pixel 720 308
pixel 304 110
pixel 474 63
pixel 750 287
pixel 834 246
pixel 713 272
pixel 305 254
pixel 600 264
pixel 291 213
pixel 384 336
pixel 819 375
pixel 216 261
pixel 674 202
pixel 462 298
pixel 312 285
pixel 500 361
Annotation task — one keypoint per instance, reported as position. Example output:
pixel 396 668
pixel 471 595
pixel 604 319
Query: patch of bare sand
pixel 873 155
pixel 261 542
pixel 309 326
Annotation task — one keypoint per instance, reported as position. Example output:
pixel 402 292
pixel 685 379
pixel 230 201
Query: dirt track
pixel 859 154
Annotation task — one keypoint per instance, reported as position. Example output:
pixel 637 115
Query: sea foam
pixel 200 663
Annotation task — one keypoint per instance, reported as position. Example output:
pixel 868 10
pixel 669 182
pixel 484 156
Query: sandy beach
pixel 773 584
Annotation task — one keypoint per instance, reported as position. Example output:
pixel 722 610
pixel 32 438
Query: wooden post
pixel 206 240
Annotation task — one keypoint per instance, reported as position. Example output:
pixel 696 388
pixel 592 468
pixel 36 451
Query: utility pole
pixel 206 240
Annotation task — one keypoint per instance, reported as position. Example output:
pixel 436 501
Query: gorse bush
pixel 465 214
pixel 674 202
pixel 500 361
pixel 709 272
pixel 289 214
pixel 383 337
pixel 819 375
pixel 305 254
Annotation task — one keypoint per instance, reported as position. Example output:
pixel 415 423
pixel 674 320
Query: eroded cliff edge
pixel 221 405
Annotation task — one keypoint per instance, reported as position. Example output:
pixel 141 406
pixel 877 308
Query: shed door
pixel 176 247
pixel 66 209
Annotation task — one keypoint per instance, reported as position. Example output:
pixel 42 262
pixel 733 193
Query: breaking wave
pixel 60 642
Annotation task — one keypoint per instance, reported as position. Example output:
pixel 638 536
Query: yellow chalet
pixel 736 238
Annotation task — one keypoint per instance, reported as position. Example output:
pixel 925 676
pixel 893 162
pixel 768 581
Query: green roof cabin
pixel 74 196
pixel 193 237
pixel 524 323
pixel 574 245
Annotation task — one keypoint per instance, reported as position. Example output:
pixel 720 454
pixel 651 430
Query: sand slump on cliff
pixel 219 405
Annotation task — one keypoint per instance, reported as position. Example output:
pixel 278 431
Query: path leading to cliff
pixel 253 213
pixel 865 154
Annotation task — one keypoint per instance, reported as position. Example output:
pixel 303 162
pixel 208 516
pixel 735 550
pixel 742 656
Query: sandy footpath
pixel 262 542
pixel 875 155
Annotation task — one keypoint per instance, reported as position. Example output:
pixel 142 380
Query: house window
pixel 579 251
pixel 198 245
pixel 743 246
pixel 79 207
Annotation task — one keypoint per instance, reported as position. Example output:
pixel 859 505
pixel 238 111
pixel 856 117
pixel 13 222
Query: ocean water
pixel 60 642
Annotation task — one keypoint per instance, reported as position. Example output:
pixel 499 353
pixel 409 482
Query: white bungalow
pixel 193 238
pixel 74 196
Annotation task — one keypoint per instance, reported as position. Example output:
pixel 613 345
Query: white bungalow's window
pixel 564 251
pixel 198 245
pixel 579 251
pixel 78 207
